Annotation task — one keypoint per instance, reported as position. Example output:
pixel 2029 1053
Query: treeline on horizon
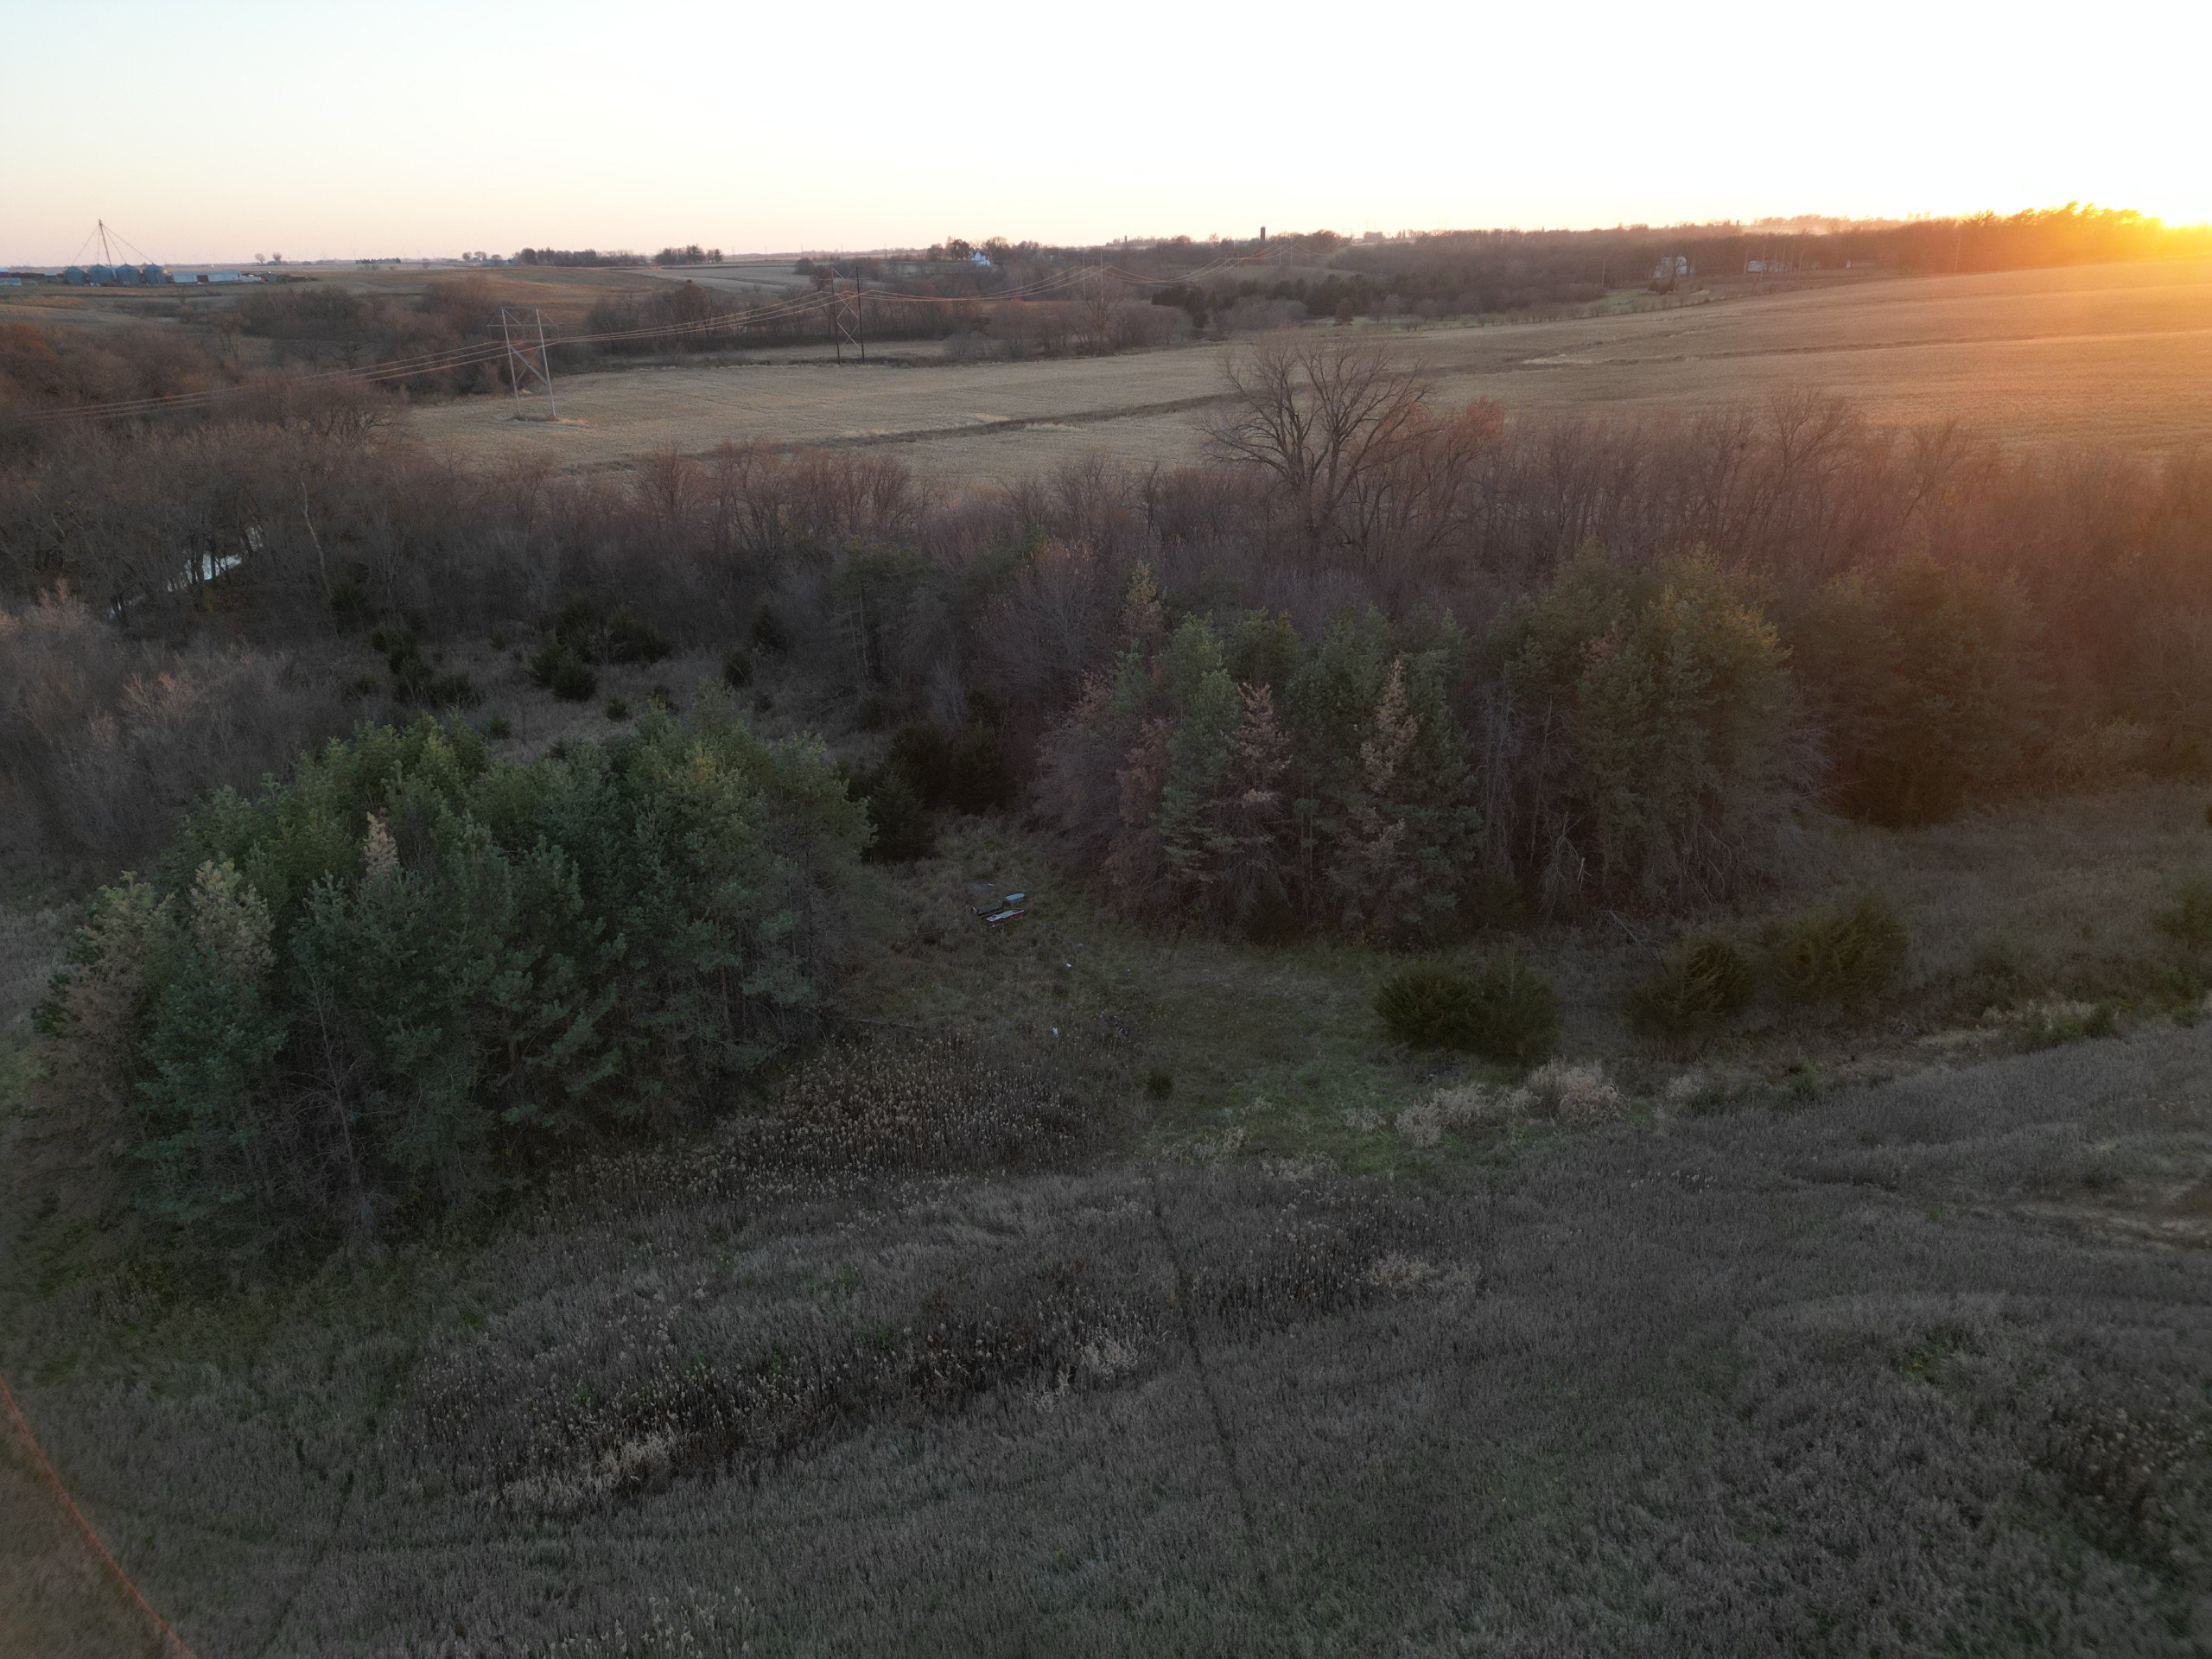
pixel 1472 272
pixel 1107 300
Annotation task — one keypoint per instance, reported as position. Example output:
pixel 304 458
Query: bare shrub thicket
pixel 104 742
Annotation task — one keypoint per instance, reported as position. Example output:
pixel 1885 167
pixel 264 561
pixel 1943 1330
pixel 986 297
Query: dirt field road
pixel 2112 355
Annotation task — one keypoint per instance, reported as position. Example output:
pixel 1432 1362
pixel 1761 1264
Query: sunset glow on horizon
pixel 408 128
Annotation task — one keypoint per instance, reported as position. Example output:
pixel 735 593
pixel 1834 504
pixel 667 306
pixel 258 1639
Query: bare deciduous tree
pixel 1344 428
pixel 1322 413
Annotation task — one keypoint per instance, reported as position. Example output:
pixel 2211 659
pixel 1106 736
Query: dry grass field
pixel 1202 1410
pixel 2111 354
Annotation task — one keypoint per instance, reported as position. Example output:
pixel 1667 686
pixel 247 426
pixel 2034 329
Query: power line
pixel 465 356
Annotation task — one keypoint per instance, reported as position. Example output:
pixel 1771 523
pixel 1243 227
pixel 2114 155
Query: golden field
pixel 2117 354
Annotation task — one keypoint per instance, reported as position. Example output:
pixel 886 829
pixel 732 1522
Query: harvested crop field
pixel 2117 354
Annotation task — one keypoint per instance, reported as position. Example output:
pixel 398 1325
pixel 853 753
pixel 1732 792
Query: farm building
pixel 117 276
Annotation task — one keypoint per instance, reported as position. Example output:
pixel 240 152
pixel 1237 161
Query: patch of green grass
pixel 2187 920
pixel 1266 1046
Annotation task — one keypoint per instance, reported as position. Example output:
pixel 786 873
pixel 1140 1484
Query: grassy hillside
pixel 1919 1368
pixel 1261 1351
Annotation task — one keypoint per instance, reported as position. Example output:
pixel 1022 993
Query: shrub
pixel 629 640
pixel 558 667
pixel 1702 981
pixel 919 750
pixel 769 632
pixel 980 773
pixel 618 708
pixel 414 677
pixel 2189 920
pixel 453 689
pixel 497 729
pixel 397 641
pixel 1159 1083
pixel 367 996
pixel 903 829
pixel 1504 1009
pixel 737 668
pixel 585 625
pixel 1846 953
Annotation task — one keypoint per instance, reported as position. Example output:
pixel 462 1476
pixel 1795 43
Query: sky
pixel 216 130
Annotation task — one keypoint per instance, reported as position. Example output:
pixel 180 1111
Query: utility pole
pixel 525 359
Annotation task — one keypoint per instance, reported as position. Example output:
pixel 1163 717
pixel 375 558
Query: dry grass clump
pixel 104 742
pixel 934 1102
pixel 1462 1106
pixel 1572 1092
pixel 1578 1092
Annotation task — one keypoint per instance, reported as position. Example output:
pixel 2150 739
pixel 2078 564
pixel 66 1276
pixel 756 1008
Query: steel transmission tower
pixel 526 355
pixel 846 322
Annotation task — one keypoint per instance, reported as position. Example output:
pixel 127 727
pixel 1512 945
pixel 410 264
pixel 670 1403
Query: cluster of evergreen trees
pixel 371 993
pixel 1651 737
